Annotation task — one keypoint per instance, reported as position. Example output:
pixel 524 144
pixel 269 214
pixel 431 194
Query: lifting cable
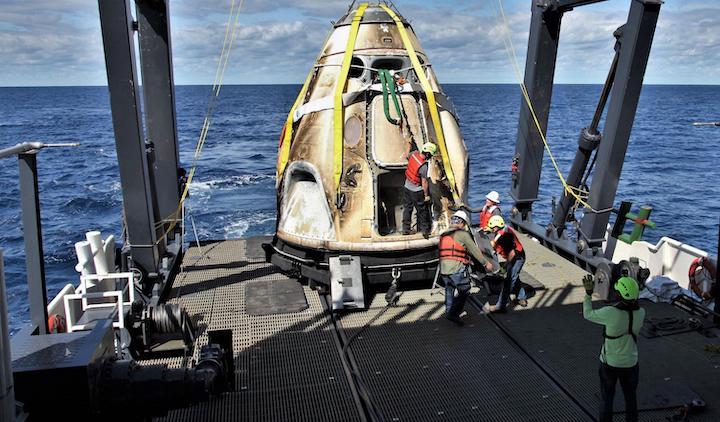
pixel 230 36
pixel 573 191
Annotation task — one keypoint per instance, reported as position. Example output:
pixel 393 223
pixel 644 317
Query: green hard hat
pixel 429 147
pixel 628 288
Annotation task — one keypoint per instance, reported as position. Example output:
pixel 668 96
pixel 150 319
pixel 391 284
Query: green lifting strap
pixel 388 84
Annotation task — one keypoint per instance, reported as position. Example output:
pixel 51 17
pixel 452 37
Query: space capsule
pixel 371 98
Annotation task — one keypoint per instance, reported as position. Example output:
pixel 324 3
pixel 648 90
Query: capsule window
pixel 388 64
pixel 353 131
pixel 357 67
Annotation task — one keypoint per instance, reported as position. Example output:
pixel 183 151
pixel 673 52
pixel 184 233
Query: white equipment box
pixel 346 287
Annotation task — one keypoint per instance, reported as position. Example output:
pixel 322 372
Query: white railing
pixel 87 283
pixel 669 257
pixel 123 296
pixel 70 315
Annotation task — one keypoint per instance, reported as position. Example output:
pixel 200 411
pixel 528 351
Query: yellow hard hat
pixel 429 147
pixel 496 221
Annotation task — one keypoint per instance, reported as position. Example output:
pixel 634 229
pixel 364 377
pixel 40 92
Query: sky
pixel 58 43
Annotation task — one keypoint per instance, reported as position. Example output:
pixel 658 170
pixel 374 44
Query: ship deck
pixel 407 363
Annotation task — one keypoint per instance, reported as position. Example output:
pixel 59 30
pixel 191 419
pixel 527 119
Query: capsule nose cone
pixel 374 13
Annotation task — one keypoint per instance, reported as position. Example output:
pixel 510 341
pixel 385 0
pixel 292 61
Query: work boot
pixel 522 302
pixel 492 309
pixel 456 320
pixel 406 232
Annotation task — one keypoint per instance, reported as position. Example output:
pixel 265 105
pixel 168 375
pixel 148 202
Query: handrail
pixel 32 233
pixel 27 147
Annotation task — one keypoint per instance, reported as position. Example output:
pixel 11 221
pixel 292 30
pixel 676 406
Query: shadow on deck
pixel 538 363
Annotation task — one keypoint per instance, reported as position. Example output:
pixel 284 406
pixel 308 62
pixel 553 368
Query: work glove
pixel 427 198
pixel 589 284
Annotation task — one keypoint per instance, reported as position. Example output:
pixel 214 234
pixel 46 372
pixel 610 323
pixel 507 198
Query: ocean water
pixel 670 164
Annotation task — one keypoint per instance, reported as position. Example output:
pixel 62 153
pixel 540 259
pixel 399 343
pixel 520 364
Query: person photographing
pixel 619 353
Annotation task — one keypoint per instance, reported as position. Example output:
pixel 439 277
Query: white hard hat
pixel 493 196
pixel 463 216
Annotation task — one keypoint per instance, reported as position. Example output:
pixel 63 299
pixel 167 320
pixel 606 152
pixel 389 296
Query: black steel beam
pixel 587 142
pixel 159 97
pixel 539 75
pixel 117 31
pixel 32 232
pixel 567 5
pixel 635 40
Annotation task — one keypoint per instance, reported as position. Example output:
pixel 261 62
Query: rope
pixel 172 318
pixel 230 36
pixel 573 191
pixel 197 239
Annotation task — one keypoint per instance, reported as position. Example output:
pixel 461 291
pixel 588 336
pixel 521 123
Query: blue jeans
pixel 459 282
pixel 512 283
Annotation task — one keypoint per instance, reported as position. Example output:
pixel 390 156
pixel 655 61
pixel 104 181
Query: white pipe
pixel 109 252
pixel 99 258
pixel 84 254
pixel 7 393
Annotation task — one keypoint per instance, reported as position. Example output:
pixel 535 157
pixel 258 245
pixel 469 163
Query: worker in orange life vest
pixel 417 190
pixel 491 208
pixel 456 246
pixel 507 244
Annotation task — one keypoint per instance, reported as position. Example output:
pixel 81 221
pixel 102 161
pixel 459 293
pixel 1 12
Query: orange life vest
pixel 485 215
pixel 451 249
pixel 415 161
pixel 517 246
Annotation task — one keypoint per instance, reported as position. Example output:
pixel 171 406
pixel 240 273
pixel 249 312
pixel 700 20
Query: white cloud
pixel 51 42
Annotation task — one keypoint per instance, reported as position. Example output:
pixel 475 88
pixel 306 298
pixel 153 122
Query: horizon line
pixel 300 84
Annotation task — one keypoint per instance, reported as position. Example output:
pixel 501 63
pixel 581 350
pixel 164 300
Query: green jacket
pixel 463 237
pixel 621 352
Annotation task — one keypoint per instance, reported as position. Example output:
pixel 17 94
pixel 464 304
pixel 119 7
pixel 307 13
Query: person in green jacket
pixel 619 353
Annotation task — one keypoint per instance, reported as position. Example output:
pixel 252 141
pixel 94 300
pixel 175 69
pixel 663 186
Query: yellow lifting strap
pixel 287 133
pixel 284 153
pixel 430 95
pixel 339 89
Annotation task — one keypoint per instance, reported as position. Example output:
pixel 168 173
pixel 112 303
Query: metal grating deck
pixel 287 365
pixel 571 355
pixel 420 367
pixel 414 364
pixel 573 358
